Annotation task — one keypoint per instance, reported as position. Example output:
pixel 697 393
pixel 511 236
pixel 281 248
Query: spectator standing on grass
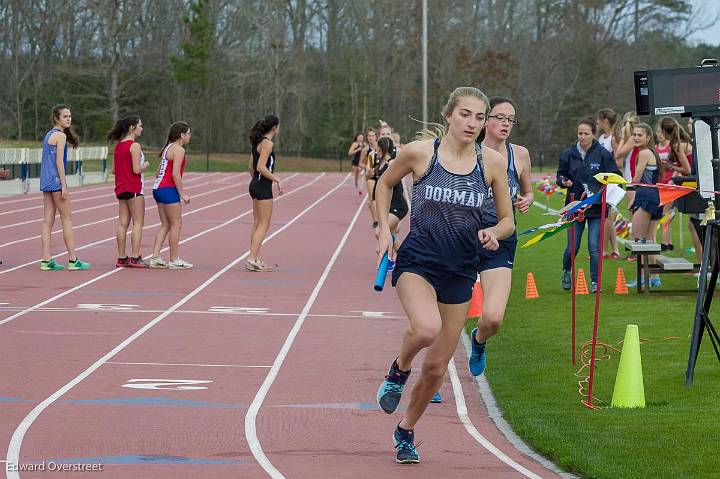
pixel 576 170
pixel 608 124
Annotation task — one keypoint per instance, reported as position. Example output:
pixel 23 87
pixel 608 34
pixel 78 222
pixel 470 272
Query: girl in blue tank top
pixel 436 264
pixel 646 206
pixel 495 267
pixel 54 188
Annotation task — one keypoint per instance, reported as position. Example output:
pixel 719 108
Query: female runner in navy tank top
pixel 262 166
pixel 495 267
pixel 437 262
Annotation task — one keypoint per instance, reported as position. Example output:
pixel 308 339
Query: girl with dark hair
pixel 398 203
pixel 355 151
pixel 262 166
pixel 168 192
pixel 54 187
pixel 576 170
pixel 129 164
pixel 495 266
pixel 437 262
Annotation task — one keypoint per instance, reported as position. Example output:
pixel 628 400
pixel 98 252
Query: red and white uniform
pixel 126 181
pixel 164 178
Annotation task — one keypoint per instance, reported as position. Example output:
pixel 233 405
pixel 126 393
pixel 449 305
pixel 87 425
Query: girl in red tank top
pixel 129 163
pixel 677 146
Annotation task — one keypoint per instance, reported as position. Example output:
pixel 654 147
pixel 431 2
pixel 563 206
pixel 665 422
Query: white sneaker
pixel 157 263
pixel 179 264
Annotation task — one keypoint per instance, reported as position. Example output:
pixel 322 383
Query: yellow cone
pixel 629 390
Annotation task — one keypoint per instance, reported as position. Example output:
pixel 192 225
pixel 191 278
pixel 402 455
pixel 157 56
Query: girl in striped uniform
pixel 168 192
pixel 436 265
pixel 495 267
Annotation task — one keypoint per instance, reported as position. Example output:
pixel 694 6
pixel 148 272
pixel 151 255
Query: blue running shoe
pixel 388 396
pixel 437 398
pixel 477 356
pixel 404 441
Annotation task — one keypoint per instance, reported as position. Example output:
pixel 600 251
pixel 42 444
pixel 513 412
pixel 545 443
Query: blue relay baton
pixel 381 273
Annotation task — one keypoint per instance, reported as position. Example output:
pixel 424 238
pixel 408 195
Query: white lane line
pixel 187 364
pixel 462 412
pixel 108 186
pixel 108 192
pixel 82 210
pixel 13 452
pixel 117 270
pixel 190 311
pixel 90 245
pixel 148 206
pixel 251 416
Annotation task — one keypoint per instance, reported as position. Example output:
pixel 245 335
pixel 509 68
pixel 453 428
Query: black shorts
pixel 503 257
pixel 450 286
pixel 261 189
pixel 356 161
pixel 399 209
pixel 128 196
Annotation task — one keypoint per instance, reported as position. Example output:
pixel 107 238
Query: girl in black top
pixel 261 167
pixel 355 151
pixel 398 202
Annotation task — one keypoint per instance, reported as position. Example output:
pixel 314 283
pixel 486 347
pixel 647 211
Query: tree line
pixel 328 68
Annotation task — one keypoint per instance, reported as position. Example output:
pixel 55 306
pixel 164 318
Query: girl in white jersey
pixel 168 192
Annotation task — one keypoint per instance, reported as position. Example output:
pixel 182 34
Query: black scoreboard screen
pixel 684 90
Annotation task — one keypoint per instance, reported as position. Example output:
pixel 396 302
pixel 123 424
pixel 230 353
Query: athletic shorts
pixel 450 287
pixel 128 196
pixel 503 257
pixel 167 195
pixel 261 189
pixel 356 161
pixel 399 209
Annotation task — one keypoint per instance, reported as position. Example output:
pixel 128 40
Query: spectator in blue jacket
pixel 578 164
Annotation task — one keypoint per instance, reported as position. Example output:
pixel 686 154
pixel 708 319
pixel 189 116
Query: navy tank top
pixel 651 175
pixel 445 218
pixel 490 216
pixel 269 164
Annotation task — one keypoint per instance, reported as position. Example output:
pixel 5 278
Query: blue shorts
pixel 503 257
pixel 167 195
pixel 450 287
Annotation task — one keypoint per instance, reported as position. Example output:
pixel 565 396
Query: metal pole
pixel 424 63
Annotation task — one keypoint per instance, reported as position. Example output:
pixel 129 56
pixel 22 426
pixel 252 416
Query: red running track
pixel 217 371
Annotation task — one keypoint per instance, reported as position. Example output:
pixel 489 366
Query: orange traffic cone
pixel 581 287
pixel 620 283
pixel 531 291
pixel 476 303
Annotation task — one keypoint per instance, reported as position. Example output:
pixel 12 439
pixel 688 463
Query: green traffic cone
pixel 629 391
